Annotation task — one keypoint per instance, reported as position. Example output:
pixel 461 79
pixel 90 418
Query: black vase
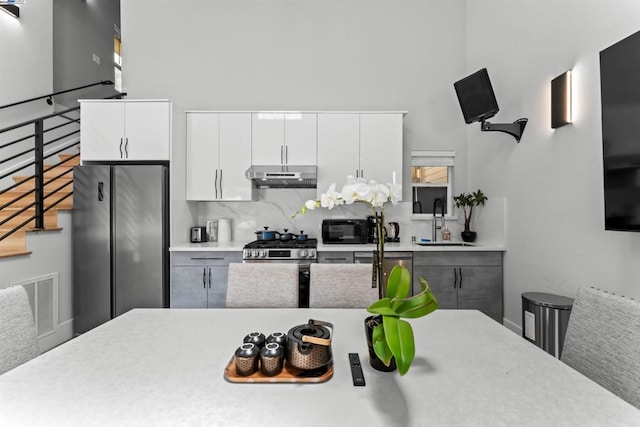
pixel 375 362
pixel 468 236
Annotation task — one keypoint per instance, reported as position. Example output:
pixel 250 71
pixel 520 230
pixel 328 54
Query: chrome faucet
pixel 434 226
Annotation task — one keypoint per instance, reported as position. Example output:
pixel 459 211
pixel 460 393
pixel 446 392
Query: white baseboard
pixel 512 326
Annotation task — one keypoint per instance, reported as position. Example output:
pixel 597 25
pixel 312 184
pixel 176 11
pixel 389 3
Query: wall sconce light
pixel 9 6
pixel 561 100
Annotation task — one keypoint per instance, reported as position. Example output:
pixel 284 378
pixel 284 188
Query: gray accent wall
pixel 80 30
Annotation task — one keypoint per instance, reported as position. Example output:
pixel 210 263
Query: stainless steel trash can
pixel 544 320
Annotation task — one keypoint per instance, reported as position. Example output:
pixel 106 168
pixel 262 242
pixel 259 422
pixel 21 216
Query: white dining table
pixel 165 367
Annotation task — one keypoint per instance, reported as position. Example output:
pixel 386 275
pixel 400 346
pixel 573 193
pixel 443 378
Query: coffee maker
pixel 373 230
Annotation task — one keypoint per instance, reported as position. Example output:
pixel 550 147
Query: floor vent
pixel 43 297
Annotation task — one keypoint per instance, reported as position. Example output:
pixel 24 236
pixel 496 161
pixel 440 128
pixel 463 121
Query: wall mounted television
pixel 620 97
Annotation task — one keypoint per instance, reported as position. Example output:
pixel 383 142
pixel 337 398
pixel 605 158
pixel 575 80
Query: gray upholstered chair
pixel 18 338
pixel 270 285
pixel 341 286
pixel 603 342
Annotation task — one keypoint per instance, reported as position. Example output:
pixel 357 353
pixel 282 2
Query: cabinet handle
pixel 361 173
pixel 216 183
pixel 455 277
pixel 209 277
pixel 126 148
pixel 120 147
pixel 206 258
pixel 357 173
pixel 460 268
pixel 335 259
pixel 286 155
pixel 221 183
pixel 204 277
pixel 282 154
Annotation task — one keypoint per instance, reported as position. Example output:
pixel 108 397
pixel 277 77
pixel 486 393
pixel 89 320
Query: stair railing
pixel 34 133
pixel 50 96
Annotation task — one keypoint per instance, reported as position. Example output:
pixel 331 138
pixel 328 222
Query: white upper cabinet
pixel 120 130
pixel 284 138
pixel 364 145
pixel 218 154
pixel 381 146
pixel 337 149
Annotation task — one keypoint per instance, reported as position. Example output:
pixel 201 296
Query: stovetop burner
pixel 282 244
pixel 300 251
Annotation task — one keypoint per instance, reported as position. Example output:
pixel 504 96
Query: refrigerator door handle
pixel 100 191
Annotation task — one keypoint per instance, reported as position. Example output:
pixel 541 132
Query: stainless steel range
pixel 301 252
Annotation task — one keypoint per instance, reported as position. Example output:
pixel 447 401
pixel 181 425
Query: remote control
pixel 356 369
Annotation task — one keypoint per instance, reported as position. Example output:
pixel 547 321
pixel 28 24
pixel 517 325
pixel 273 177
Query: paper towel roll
pixel 224 230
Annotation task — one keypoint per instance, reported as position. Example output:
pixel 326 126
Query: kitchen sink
pixel 443 244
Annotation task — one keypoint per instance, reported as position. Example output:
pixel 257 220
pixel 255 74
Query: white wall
pixel 405 55
pixel 26 72
pixel 306 55
pixel 26 66
pixel 552 180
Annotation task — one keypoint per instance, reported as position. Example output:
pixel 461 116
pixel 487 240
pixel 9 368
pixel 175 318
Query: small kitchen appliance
pixel 198 234
pixel 393 233
pixel 345 231
pixel 212 230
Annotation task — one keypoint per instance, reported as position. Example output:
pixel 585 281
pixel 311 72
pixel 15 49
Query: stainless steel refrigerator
pixel 120 241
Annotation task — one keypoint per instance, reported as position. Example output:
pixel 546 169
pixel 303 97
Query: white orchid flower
pixel 354 191
pixel 331 198
pixel 311 204
pixel 379 194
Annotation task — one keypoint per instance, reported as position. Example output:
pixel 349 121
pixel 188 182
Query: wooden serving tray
pixel 289 374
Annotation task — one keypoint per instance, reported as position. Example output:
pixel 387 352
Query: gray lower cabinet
pixel 463 280
pixel 335 257
pixel 199 279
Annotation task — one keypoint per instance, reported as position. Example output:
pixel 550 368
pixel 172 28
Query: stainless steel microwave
pixel 345 231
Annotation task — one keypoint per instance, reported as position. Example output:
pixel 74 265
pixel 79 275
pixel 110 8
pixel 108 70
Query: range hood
pixel 287 176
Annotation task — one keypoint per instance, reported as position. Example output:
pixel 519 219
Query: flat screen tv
pixel 620 97
pixel 476 97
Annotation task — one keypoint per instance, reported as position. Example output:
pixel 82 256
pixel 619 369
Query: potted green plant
pixel 390 338
pixel 467 201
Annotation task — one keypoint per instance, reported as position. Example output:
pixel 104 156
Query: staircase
pixel 15 244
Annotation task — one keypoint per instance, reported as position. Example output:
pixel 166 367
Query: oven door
pixel 304 276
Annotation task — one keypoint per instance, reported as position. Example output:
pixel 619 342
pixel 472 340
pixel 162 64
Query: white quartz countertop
pixel 392 247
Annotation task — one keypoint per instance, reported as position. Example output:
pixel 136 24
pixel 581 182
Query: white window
pixel 117 59
pixel 431 179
